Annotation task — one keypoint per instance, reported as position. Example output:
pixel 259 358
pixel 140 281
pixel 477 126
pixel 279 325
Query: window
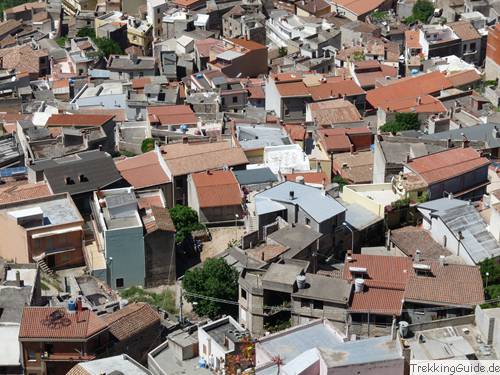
pixel 305 303
pixel 318 305
pixel 445 240
pixel 119 283
pixel 31 355
pixel 473 47
pixel 308 221
pixel 235 99
pixel 243 294
pixel 464 49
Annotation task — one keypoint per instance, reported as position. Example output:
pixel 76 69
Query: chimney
pixel 79 305
pixel 448 143
pixel 19 282
pixel 351 148
pixel 408 158
pixel 394 331
pixel 292 195
pixel 442 261
pixel 417 256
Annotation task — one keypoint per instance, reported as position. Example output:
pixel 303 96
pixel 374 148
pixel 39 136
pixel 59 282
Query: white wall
pixel 273 97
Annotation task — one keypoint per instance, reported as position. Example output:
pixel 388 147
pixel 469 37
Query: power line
pixel 285 308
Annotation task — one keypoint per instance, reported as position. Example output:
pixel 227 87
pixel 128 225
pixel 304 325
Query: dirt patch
pixel 221 237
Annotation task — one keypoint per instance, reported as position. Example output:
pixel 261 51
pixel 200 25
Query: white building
pixel 155 11
pixel 217 339
pixel 286 159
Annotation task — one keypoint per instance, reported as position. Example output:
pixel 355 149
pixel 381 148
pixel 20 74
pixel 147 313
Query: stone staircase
pixel 40 262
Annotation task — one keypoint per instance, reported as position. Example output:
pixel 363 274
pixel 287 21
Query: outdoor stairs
pixel 252 224
pixel 43 266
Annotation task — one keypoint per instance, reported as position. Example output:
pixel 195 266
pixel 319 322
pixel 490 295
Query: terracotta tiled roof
pixel 248 44
pixel 37 322
pixel 21 192
pixel 329 88
pixel 266 252
pixel 464 30
pixel 447 164
pixel 410 87
pixel 139 83
pixel 293 89
pixel 369 78
pixel 22 58
pixel 78 120
pixel 9 26
pixel 296 131
pixel 381 301
pixel 313 6
pixel 131 320
pixel 171 115
pixel 412 39
pixel 183 159
pixel 78 370
pixel 411 239
pixel 359 7
pixel 335 89
pixel 158 218
pixel 146 202
pixel 420 104
pixel 339 139
pixel 390 271
pixel 453 284
pixel 143 170
pixel 334 112
pixel 384 284
pixel 356 168
pixel 463 78
pixel 256 92
pixel 309 177
pixel 217 189
pixel 120 115
pixel 203 46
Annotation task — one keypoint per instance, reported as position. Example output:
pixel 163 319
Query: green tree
pixel 215 279
pixel 282 51
pixel 107 47
pixel 358 56
pixel 6 4
pixel 401 122
pixel 422 11
pixel 338 179
pixel 86 32
pixel 62 41
pixel 147 145
pixel 185 220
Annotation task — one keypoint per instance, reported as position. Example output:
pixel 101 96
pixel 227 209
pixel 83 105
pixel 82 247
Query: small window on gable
pixel 69 181
pixel 82 178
